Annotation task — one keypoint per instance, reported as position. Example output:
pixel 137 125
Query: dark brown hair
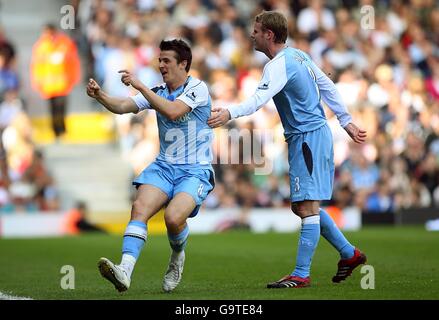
pixel 181 48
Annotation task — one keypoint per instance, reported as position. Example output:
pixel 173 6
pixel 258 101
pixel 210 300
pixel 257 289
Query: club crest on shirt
pixel 191 95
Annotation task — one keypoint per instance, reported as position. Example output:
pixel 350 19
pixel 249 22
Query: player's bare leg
pixel 149 200
pixel 178 210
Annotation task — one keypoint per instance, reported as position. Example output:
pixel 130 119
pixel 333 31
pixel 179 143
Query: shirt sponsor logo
pixel 184 118
pixel 264 86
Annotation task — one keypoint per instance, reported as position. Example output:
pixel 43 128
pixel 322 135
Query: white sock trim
pixel 311 220
pixel 136 231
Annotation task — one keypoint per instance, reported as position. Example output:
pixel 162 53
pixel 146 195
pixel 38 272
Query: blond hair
pixel 276 22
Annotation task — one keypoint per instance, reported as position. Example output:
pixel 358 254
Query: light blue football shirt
pixel 187 140
pixel 296 86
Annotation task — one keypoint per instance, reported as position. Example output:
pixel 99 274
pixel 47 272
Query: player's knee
pixel 173 221
pixel 303 209
pixel 139 210
pixel 294 208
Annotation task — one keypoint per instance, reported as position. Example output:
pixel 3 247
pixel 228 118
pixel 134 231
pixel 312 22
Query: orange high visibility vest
pixel 55 66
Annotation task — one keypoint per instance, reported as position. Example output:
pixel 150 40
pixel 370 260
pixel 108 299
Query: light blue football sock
pixel 178 241
pixel 309 238
pixel 134 238
pixel 335 237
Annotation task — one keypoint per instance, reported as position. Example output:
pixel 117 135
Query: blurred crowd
pixel 25 182
pixel 383 57
pixel 385 65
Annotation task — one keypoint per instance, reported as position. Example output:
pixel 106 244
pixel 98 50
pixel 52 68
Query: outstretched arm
pixel 219 117
pixel 112 104
pixel 273 80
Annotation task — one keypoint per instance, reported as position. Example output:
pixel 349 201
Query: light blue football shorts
pixel 311 159
pixel 195 180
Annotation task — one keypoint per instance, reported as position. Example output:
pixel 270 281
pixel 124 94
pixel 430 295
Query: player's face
pixel 259 38
pixel 169 68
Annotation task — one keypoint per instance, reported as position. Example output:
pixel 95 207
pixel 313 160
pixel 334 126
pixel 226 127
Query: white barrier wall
pixel 263 220
pixel 24 225
pixel 259 220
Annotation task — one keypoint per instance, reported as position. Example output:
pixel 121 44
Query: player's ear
pixel 184 64
pixel 270 34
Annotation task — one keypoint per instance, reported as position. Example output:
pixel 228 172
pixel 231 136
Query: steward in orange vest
pixel 55 70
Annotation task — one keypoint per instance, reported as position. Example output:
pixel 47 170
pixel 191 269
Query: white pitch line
pixel 4 296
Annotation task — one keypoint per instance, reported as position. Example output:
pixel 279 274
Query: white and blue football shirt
pixel 187 140
pixel 296 85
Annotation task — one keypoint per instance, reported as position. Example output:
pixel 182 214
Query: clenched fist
pixel 93 89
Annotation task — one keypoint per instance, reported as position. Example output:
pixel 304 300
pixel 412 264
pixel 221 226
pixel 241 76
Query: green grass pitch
pixel 233 265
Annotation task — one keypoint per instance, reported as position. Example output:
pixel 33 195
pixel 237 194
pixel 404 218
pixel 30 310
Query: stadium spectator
pixel 10 107
pixel 8 76
pixel 380 200
pixel 315 18
pixel 45 192
pixel 55 70
pixel 78 220
pixel 7 50
pixel 432 82
pixel 17 141
pixel 381 85
pixel 24 184
pixel 365 175
pixel 4 178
